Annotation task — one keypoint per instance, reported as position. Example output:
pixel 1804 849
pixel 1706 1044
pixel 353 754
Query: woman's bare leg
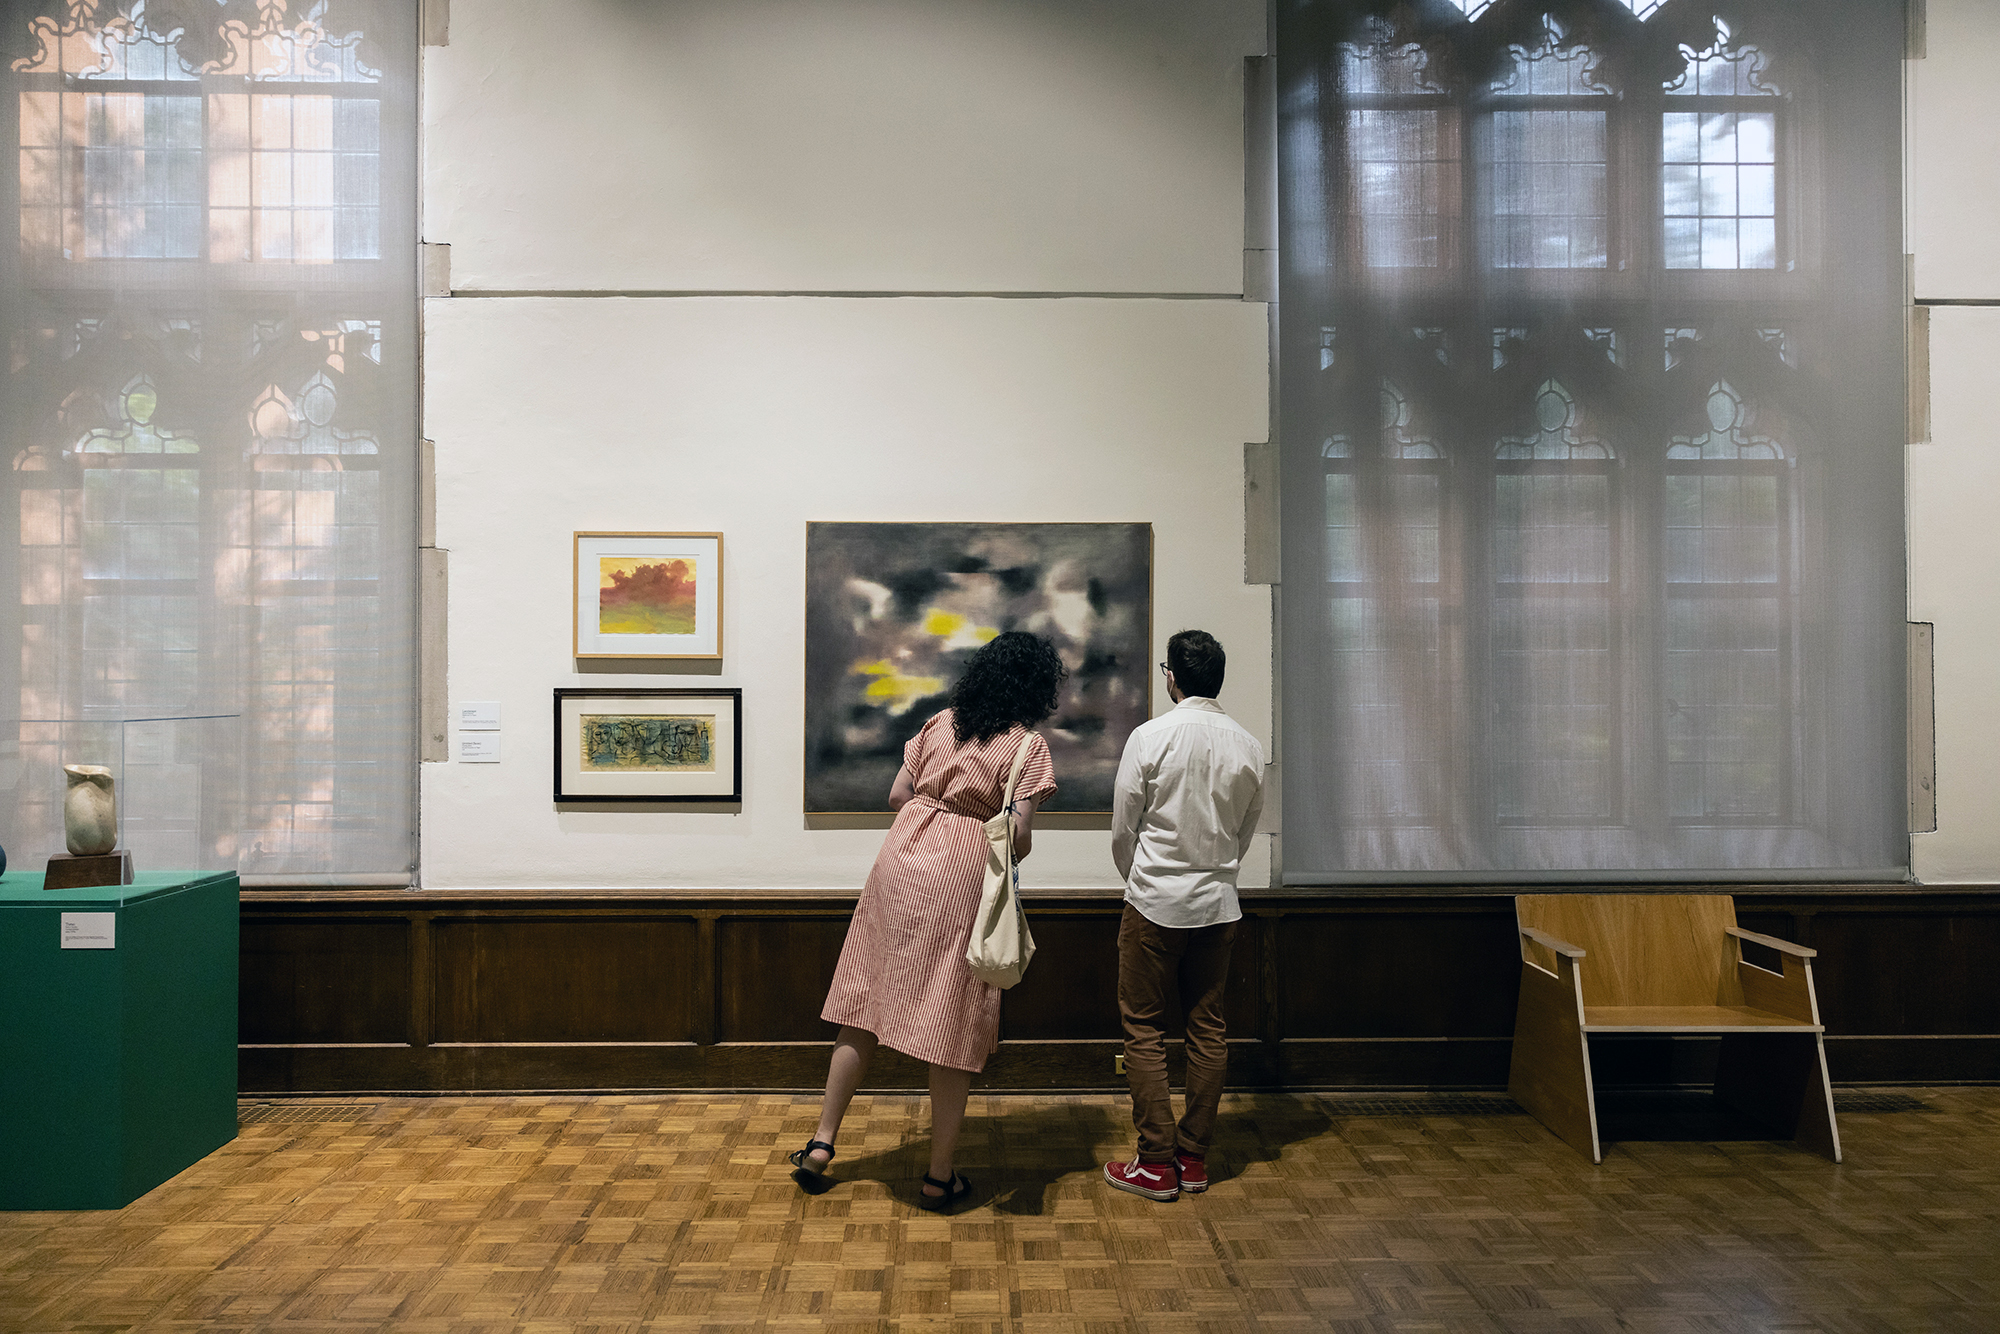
pixel 843 1075
pixel 949 1089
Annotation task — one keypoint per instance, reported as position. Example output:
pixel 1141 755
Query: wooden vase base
pixel 107 868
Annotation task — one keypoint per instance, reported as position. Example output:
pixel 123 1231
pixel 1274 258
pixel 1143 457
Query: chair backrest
pixel 1644 949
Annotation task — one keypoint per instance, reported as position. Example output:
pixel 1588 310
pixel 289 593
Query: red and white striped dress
pixel 902 973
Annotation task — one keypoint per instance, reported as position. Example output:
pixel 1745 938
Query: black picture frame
pixel 720 782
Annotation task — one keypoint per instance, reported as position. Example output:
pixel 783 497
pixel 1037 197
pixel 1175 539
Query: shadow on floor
pixel 1015 1156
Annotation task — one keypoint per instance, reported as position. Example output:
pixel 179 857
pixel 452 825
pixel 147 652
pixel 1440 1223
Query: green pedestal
pixel 117 1066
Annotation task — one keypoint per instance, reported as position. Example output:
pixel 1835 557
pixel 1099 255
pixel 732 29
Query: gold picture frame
pixel 646 595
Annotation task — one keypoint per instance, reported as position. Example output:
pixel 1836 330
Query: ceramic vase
pixel 90 810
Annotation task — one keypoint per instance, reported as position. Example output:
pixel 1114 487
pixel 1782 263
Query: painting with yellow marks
pixel 893 610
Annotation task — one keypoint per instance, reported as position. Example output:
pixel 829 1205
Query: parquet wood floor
pixel 620 1214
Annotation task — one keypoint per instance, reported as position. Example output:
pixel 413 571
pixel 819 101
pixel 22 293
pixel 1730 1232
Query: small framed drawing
pixel 649 744
pixel 648 595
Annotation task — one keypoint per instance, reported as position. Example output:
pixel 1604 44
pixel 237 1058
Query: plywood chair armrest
pixel 1547 941
pixel 1772 942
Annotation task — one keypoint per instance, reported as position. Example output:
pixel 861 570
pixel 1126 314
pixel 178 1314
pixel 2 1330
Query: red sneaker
pixel 1156 1181
pixel 1194 1173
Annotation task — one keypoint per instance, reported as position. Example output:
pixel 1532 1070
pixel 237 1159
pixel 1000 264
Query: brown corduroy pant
pixel 1154 964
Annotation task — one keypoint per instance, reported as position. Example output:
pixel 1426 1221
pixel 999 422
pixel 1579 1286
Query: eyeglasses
pixel 1166 671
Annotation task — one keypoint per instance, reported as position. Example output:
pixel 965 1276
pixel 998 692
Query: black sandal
pixel 954 1190
pixel 809 1171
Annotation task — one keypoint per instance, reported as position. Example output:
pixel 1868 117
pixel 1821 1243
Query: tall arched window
pixel 209 396
pixel 1546 162
pixel 1403 201
pixel 1632 268
pixel 1728 528
pixel 1555 635
pixel 1719 160
pixel 1388 589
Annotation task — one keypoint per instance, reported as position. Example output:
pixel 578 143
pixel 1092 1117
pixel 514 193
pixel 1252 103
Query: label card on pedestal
pixel 90 930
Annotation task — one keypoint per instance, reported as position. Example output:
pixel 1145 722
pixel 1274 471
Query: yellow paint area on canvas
pixel 893 688
pixel 957 631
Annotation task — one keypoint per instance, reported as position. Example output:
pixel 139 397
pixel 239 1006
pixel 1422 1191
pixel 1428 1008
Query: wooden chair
pixel 1669 964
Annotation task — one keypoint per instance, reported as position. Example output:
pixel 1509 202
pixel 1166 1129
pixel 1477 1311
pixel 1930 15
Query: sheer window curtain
pixel 1591 408
pixel 207 285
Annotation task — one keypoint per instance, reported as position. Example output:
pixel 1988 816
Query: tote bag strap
pixel 1014 781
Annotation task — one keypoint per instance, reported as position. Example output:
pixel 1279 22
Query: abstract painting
pixel 621 743
pixel 648 595
pixel 645 597
pixel 893 610
pixel 643 743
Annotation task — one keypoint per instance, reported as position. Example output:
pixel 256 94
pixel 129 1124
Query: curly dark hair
pixel 1012 679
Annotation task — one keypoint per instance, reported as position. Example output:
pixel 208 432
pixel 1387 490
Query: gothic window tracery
pixel 1626 537
pixel 132 143
pixel 200 430
pixel 136 571
pixel 1547 158
pixel 1554 637
pixel 1728 435
pixel 1719 161
pixel 1727 640
pixel 318 493
pixel 1559 433
pixel 1384 541
pixel 1403 156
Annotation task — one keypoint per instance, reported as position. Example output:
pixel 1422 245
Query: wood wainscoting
pixel 457 991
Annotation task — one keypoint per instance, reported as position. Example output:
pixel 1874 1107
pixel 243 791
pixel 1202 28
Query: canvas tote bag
pixel 1001 944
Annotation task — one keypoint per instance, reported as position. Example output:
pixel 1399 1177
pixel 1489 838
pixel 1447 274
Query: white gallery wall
pixel 1046 153
pixel 1954 201
pixel 1032 149
pixel 840 145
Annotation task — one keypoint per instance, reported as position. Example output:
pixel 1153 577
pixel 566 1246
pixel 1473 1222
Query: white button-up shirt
pixel 1190 789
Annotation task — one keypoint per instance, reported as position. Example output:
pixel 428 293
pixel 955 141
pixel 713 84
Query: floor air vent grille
pixel 1868 1100
pixel 265 1113
pixel 1420 1104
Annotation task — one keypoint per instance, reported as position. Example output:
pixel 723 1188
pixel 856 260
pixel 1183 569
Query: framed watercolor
pixel 647 595
pixel 893 610
pixel 649 744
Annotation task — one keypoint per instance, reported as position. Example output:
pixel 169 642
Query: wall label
pixel 478 749
pixel 479 715
pixel 90 930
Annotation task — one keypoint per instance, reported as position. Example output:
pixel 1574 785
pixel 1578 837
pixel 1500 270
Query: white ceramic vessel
pixel 90 810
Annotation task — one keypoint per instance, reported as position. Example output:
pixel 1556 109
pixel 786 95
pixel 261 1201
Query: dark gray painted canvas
pixel 894 609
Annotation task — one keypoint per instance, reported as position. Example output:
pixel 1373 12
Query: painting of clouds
pixel 894 609
pixel 638 596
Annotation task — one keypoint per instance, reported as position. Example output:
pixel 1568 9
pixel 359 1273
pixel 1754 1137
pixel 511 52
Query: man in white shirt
pixel 1190 788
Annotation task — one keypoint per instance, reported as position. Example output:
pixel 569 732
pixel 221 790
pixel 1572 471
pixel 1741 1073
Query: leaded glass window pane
pixel 1719 183
pixel 1405 173
pixel 1550 209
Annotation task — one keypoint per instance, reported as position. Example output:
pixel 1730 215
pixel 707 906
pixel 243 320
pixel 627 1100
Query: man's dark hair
pixel 1196 661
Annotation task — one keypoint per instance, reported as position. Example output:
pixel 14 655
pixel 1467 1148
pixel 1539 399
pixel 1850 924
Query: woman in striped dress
pixel 903 979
